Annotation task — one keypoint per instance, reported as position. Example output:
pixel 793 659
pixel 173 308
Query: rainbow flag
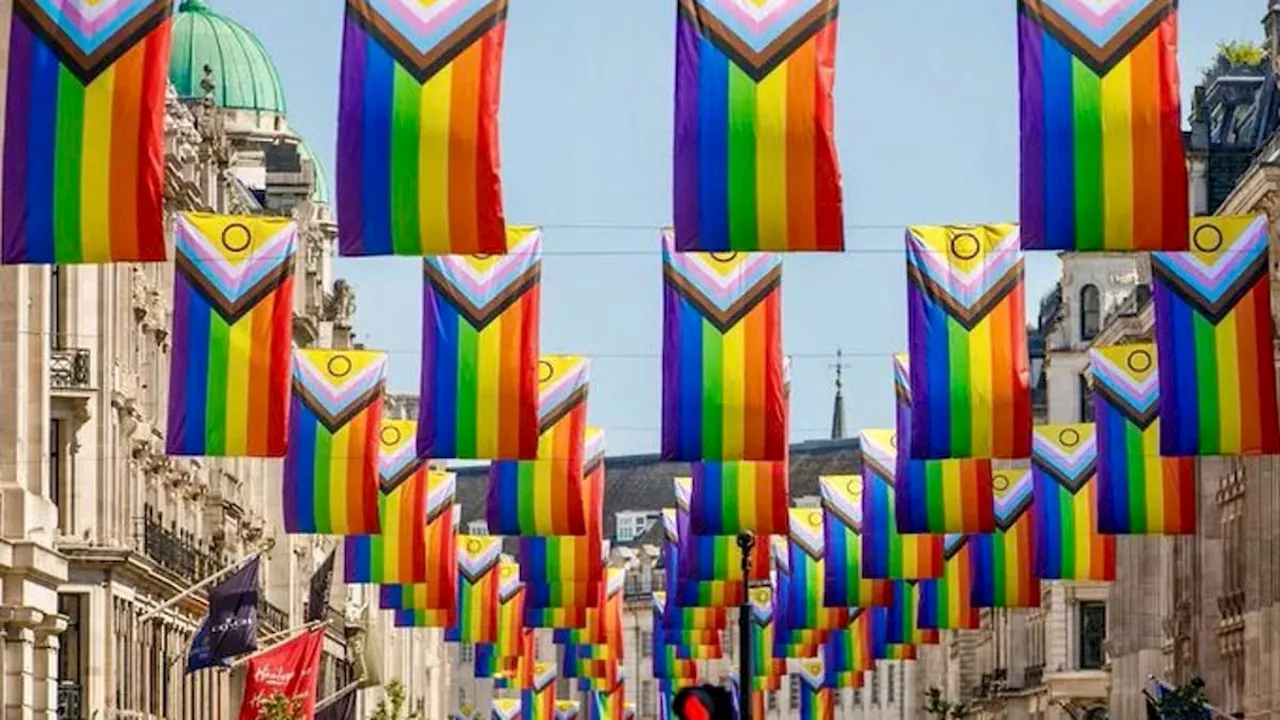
pixel 936 496
pixel 331 467
pixel 539 700
pixel 232 333
pixel 507 709
pixel 567 710
pixel 817 693
pixel 669 616
pixel 605 703
pixel 843 583
pixel 805 584
pixel 712 591
pixel 399 553
pixel 1139 492
pixel 1004 562
pixel 84 132
pixel 722 368
pixel 512 635
pixel 1213 340
pixel 573 558
pixel 765 664
pixel 709 557
pixel 478 580
pixel 1103 166
pixel 755 151
pixel 479 379
pixel 887 553
pixel 849 649
pixel 966 321
pixel 1064 463
pixel 944 602
pixel 413 618
pixel 438 594
pixel 555 617
pixel 418 128
pixel 544 496
pixel 733 497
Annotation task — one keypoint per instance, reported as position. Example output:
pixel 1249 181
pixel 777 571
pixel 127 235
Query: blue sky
pixel 926 124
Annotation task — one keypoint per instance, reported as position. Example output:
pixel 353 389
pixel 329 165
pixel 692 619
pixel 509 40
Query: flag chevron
pixel 724 287
pixel 506 709
pixel 1126 377
pixel 671 524
pixel 509 583
pixel 424 38
pixel 88 36
pixel 807 531
pixel 360 377
pixel 902 378
pixel 1014 492
pixel 478 555
pixel 879 454
pixel 952 544
pixel 813 673
pixel 758 36
pixel 566 709
pixel 684 493
pixel 482 287
pixel 1222 266
pixel 1067 453
pixel 761 600
pixel 562 386
pixel 543 675
pixel 780 550
pixel 441 494
pixel 238 269
pixel 398 453
pixel 593 450
pixel 1098 33
pixel 842 497
pixel 967 276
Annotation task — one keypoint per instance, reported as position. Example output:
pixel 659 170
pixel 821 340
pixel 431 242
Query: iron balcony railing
pixel 69 369
pixel 177 551
pixel 69 701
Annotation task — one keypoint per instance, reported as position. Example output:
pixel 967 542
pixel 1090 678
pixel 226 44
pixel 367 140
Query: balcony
pixel 177 551
pixel 69 701
pixel 271 619
pixel 69 369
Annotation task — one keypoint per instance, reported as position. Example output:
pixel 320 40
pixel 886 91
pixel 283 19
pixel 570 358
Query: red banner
pixel 291 668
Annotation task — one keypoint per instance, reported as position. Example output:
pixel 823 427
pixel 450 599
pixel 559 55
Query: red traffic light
pixel 705 702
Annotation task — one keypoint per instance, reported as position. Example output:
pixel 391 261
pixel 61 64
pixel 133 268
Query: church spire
pixel 837 412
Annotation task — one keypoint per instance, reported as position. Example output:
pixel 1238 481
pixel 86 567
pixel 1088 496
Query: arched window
pixel 1090 312
pixel 1086 400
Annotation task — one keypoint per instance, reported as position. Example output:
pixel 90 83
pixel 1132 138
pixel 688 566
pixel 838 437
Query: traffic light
pixel 705 702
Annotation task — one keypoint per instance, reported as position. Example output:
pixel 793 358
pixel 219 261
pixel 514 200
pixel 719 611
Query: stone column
pixel 45 675
pixel 20 662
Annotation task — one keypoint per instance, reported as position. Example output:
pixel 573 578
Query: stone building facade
pixel 97 524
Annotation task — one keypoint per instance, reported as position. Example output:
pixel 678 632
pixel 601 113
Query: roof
pixel 644 482
pixel 244 76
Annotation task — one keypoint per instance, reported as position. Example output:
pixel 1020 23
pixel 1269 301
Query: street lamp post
pixel 746 541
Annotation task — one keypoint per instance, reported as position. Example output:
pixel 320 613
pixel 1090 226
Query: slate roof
pixel 643 482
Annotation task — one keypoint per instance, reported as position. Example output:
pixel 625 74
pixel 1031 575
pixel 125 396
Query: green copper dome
pixel 319 193
pixel 243 74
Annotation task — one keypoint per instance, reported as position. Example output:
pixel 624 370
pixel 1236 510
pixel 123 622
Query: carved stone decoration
pixel 340 306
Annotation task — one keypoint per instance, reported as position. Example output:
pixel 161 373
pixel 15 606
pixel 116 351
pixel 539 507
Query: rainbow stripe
pixel 438 594
pixel 805 583
pixel 936 496
pixel 1064 462
pixel 755 154
pixel 479 379
pixel 722 369
pixel 605 704
pixel 544 496
pixel 539 700
pixel 1102 151
pixel 699 593
pixel 944 602
pixel 887 553
pixel 424 618
pixel 843 584
pixel 818 689
pixel 968 343
pixel 1213 338
pixel 669 616
pixel 765 664
pixel 83 132
pixel 1139 492
pixel 331 467
pixel 709 557
pixel 418 128
pixel 399 553
pixel 478 581
pixel 232 333
pixel 512 634
pixel 570 558
pixel 849 649
pixel 555 617
pixel 734 497
pixel 1004 562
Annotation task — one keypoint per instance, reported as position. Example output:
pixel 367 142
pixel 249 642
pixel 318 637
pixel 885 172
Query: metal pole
pixel 746 676
pixel 265 547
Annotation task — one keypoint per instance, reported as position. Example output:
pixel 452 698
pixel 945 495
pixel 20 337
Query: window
pixel 56 340
pixel 1086 400
pixel 646 644
pixel 857 696
pixel 795 691
pixel 467 653
pixel 55 463
pixel 478 527
pixel 771 701
pixel 646 698
pixel 873 681
pixel 838 696
pixel 893 679
pixel 1090 312
pixel 1092 632
pixel 631 525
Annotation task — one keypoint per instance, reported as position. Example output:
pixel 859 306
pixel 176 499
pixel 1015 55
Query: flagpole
pixel 338 696
pixel 292 632
pixel 265 547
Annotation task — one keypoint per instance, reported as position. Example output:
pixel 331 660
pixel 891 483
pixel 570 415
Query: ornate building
pixel 97 524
